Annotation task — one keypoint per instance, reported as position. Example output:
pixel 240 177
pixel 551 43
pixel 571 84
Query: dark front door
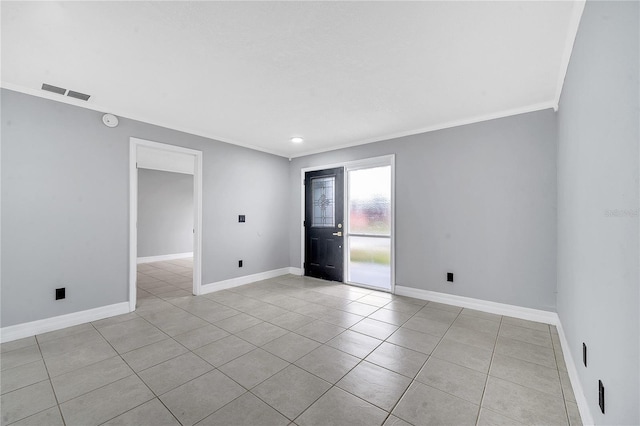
pixel 324 209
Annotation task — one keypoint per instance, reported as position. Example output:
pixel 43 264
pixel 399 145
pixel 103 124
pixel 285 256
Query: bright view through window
pixel 369 235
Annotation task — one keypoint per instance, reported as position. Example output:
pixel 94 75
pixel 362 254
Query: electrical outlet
pixel 450 277
pixel 241 218
pixel 601 395
pixel 584 353
pixel 60 293
pixel 239 263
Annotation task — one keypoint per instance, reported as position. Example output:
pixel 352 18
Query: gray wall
pixel 65 207
pixel 477 200
pixel 598 126
pixel 165 213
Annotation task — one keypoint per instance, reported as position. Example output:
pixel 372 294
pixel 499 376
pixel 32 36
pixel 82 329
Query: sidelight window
pixel 369 233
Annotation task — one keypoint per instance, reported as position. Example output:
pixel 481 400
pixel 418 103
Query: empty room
pixel 320 213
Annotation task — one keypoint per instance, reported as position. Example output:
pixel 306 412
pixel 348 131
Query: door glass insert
pixel 323 193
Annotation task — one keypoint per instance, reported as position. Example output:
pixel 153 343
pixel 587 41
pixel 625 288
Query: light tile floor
pixel 289 349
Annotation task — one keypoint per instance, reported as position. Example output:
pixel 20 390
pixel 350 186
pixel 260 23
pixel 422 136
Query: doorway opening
pixel 163 165
pixel 348 219
pixel 165 231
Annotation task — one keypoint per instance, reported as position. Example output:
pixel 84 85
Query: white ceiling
pixel 257 73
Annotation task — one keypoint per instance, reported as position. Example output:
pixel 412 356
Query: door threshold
pixel 370 287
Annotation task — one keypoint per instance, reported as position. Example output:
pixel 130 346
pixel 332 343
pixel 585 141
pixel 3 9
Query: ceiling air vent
pixel 61 91
pixel 78 95
pixel 54 89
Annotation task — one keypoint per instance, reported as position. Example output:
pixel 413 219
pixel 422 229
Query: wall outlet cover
pixel 60 293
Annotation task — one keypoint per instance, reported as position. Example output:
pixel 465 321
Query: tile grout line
pixel 423 365
pixel 326 304
pixel 385 340
pixel 53 390
pixel 134 373
pixel 332 385
pixel 231 360
pixel 486 382
pixel 414 380
pixel 24 365
pixel 214 368
pixel 520 384
pixel 301 413
pixel 368 316
pixel 564 398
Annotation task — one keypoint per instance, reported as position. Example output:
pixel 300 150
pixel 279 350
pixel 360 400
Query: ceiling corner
pixel 572 32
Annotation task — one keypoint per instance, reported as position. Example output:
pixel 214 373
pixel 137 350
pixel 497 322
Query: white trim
pixel 133 212
pixel 133 224
pixel 197 224
pixel 393 224
pixel 516 312
pixel 246 279
pixel 155 159
pixel 537 315
pixel 368 287
pixel 382 160
pixel 163 257
pixel 581 400
pixel 387 161
pixel 163 169
pixel 27 329
pixel 572 33
pixel 164 147
pixel 124 113
pixel 296 271
pixel 134 116
pixel 551 104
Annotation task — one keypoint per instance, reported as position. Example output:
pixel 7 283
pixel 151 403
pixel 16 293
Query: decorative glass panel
pixel 323 192
pixel 370 201
pixel 370 261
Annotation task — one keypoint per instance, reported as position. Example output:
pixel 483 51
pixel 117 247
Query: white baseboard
pixel 581 400
pixel 164 257
pixel 236 282
pixel 27 329
pixel 296 271
pixel 538 315
pixel 516 312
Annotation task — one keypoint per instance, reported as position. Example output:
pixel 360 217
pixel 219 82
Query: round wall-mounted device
pixel 110 120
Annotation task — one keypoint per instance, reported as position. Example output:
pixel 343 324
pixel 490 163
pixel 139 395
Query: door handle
pixel 338 234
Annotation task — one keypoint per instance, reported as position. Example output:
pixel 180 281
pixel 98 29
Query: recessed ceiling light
pixel 297 139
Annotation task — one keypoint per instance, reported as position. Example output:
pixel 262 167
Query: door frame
pixel 385 160
pixel 134 143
